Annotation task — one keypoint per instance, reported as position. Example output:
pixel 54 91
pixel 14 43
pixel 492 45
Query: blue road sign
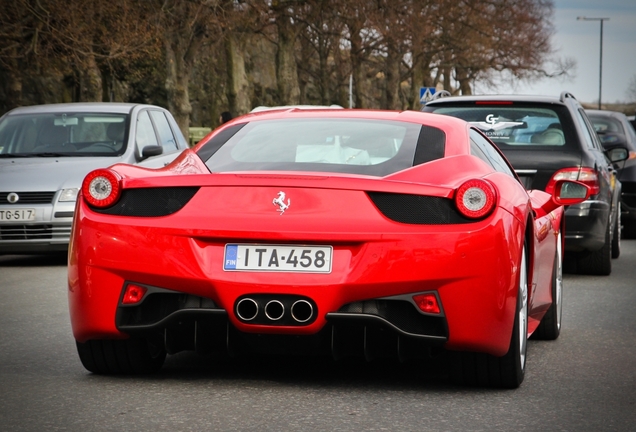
pixel 426 94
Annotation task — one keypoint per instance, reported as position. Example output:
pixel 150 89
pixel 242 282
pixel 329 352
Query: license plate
pixel 18 215
pixel 282 258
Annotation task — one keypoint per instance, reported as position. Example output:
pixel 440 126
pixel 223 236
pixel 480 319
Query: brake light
pixel 493 103
pixel 475 198
pixel 586 176
pixel 134 294
pixel 427 303
pixel 101 188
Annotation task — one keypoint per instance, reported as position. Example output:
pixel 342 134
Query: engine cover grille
pixel 417 209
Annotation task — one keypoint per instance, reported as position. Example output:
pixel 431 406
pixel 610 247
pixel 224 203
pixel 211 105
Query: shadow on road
pixel 59 259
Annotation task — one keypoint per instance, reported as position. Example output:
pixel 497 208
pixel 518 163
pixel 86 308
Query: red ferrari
pixel 295 231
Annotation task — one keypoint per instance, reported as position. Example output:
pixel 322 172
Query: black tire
pixel 616 236
pixel 467 368
pixel 130 356
pixel 550 326
pixel 598 262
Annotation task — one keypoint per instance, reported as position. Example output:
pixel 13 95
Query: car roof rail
pixel 441 94
pixel 566 94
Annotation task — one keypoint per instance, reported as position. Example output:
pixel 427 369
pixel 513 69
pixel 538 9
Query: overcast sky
pixel 580 40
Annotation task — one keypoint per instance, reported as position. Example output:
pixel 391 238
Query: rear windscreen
pixel 514 126
pixel 356 146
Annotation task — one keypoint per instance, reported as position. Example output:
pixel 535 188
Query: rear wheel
pixel 130 356
pixel 550 326
pixel 598 262
pixel 468 368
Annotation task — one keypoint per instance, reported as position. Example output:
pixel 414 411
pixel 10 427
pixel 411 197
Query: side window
pixel 145 132
pixel 166 136
pixel 587 135
pixel 494 157
pixel 475 150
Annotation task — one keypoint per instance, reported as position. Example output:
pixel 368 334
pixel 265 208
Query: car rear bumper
pixel 585 226
pixel 470 270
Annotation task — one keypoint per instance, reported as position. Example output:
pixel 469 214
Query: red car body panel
pixel 472 267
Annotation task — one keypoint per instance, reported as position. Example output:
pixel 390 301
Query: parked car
pixel 349 232
pixel 46 151
pixel 548 139
pixel 615 130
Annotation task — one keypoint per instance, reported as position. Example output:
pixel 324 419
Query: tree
pixel 185 26
pixel 631 89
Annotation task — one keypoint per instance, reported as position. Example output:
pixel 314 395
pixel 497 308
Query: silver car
pixel 46 150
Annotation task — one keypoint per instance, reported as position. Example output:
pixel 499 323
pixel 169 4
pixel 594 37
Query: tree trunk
pixel 464 81
pixel 90 81
pixel 392 68
pixel 177 80
pixel 359 78
pixel 237 83
pixel 286 69
pixel 14 85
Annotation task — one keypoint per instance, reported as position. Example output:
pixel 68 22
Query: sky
pixel 580 40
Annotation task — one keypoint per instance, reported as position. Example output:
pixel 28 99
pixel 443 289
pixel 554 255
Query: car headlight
pixel 68 195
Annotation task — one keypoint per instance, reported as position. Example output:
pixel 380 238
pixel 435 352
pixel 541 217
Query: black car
pixel 548 139
pixel 615 130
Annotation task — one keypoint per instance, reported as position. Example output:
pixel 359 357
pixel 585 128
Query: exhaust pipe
pixel 302 311
pixel 274 310
pixel 247 309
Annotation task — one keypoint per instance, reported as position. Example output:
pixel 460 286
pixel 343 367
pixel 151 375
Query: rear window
pixel 355 146
pixel 512 126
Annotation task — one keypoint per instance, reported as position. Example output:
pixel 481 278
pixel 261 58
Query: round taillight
pixel 476 198
pixel 101 188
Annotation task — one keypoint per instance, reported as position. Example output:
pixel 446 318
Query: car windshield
pixel 512 126
pixel 357 146
pixel 63 134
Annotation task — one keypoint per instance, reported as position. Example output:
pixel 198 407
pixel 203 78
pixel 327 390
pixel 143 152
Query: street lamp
pixel 600 72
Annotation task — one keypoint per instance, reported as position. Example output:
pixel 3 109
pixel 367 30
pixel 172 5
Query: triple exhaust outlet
pixel 275 311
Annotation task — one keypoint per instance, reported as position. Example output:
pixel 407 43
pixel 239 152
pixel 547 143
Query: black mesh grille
pixel 29 197
pixel 417 209
pixel 157 306
pixel 150 201
pixel 401 314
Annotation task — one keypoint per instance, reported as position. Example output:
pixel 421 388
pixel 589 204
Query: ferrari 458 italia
pixel 340 232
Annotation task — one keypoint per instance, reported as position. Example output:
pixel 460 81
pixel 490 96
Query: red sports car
pixel 296 231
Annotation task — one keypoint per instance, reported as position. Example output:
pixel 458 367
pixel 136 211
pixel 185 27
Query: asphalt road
pixel 584 381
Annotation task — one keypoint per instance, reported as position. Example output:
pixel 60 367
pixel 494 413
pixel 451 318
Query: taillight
pixel 101 188
pixel 586 176
pixel 475 198
pixel 134 294
pixel 427 303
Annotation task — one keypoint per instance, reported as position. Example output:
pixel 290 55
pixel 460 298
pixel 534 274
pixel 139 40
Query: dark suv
pixel 548 139
pixel 614 129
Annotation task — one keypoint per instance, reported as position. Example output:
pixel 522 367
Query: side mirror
pixel 617 154
pixel 567 192
pixel 151 150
